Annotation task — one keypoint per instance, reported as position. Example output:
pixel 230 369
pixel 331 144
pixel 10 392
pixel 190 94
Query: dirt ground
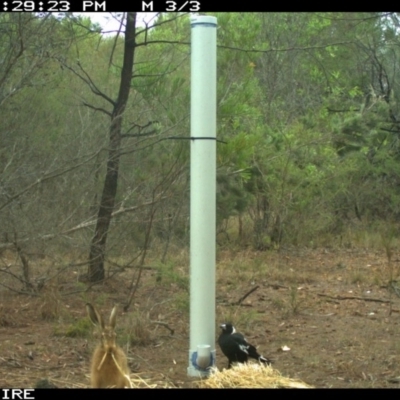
pixel 327 317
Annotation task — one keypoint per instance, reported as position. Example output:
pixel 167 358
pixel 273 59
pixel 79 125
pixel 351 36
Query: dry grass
pixel 51 302
pixel 334 341
pixel 140 330
pixel 137 382
pixel 155 382
pixel 250 376
pixel 5 318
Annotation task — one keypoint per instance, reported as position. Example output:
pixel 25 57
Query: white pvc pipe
pixel 202 194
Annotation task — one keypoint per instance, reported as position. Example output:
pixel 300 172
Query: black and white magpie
pixel 236 348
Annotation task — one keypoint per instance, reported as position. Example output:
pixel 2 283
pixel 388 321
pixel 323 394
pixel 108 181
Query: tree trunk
pixel 107 203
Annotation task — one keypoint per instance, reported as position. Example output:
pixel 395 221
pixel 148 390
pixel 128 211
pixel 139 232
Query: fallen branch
pixel 239 302
pixel 354 298
pixel 165 325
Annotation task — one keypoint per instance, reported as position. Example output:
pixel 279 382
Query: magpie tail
pixel 264 360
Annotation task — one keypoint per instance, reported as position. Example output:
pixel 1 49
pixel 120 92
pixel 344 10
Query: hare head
pixel 109 363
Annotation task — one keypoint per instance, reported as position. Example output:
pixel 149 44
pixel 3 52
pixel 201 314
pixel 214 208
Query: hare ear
pixel 94 315
pixel 113 317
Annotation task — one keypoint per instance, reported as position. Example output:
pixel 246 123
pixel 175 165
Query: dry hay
pixel 250 376
pixel 150 382
pixel 137 382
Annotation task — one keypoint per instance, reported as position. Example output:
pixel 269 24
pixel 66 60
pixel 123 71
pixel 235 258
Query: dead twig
pixel 239 302
pixel 165 325
pixel 20 291
pixel 354 298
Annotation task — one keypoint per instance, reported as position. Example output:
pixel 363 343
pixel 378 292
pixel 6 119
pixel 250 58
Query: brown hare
pixel 109 364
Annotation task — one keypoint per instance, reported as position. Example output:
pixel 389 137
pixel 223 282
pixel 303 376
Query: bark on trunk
pixel 107 202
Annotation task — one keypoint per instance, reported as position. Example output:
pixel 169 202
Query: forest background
pixel 308 119
pixel 94 185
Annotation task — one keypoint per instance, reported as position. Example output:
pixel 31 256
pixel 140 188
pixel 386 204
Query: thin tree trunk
pixel 107 203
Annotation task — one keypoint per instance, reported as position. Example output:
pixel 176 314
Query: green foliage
pixel 308 108
pixel 169 274
pixel 79 329
pixel 242 319
pixel 181 302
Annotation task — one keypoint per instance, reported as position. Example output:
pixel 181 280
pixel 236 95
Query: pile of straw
pixel 250 376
